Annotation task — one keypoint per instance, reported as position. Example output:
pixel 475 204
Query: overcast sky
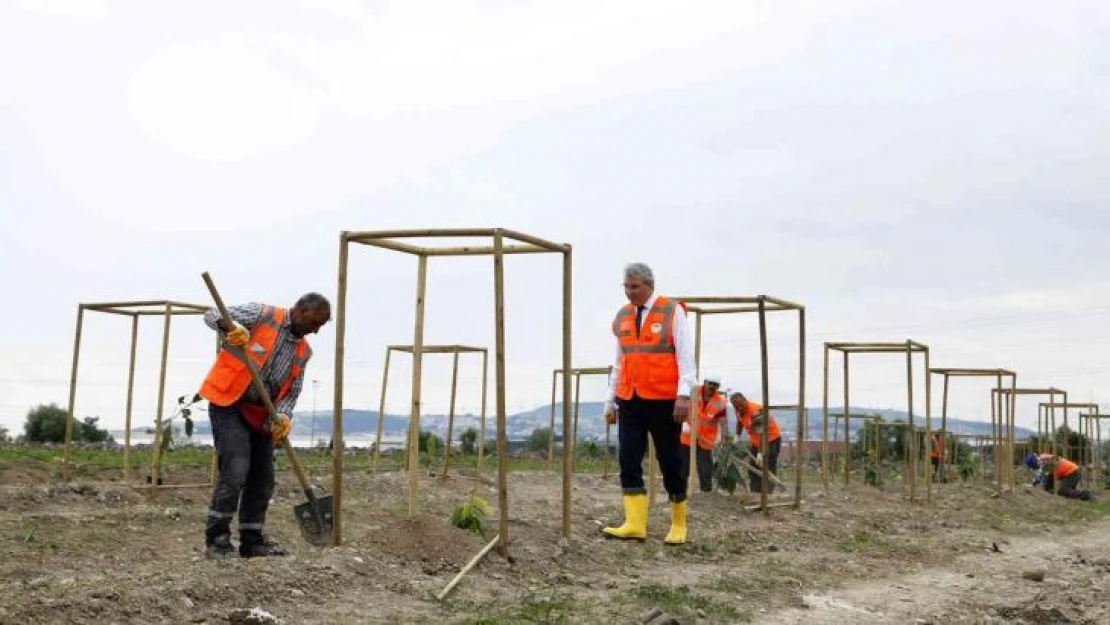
pixel 935 171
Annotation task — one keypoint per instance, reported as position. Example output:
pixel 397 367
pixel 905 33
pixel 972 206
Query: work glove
pixel 238 336
pixel 280 428
pixel 610 413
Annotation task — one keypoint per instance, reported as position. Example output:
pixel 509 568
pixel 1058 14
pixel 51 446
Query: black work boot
pixel 220 548
pixel 255 544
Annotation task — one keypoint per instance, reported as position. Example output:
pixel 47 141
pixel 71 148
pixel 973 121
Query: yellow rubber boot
pixel 677 535
pixel 635 520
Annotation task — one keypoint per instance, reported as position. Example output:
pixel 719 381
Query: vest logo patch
pixel 656 328
pixel 257 348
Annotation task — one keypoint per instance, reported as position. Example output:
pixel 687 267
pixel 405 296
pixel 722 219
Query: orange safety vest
pixel 229 377
pixel 938 448
pixel 1065 468
pixel 708 424
pixel 649 368
pixel 746 422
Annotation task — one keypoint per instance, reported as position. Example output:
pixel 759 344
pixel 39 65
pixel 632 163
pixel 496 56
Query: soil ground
pixel 99 550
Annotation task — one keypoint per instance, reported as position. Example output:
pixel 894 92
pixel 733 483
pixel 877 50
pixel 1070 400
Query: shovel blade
pixel 314 519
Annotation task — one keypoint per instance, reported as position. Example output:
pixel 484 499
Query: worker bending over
pixel 752 418
pixel 650 394
pixel 714 411
pixel 1051 468
pixel 274 338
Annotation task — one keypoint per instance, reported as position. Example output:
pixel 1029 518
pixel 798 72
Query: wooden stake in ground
pixel 417 370
pixel 451 416
pixel 466 569
pixel 381 410
pixel 499 375
pixel 156 453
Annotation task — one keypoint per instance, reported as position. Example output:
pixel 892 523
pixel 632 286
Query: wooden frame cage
pixel 909 348
pixel 1046 423
pixel 1007 398
pixel 700 306
pixel 998 441
pixel 498 249
pixel 167 309
pixel 455 350
pixel 577 374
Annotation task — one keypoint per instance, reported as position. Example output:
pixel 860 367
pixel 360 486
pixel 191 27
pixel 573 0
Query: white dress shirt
pixel 684 352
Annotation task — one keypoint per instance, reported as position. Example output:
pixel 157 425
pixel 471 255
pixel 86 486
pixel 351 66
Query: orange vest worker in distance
pixel 713 409
pixel 1063 476
pixel 744 414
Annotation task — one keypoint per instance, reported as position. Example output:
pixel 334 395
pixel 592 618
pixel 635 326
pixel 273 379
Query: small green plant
pixel 471 515
pixel 185 413
pixel 727 471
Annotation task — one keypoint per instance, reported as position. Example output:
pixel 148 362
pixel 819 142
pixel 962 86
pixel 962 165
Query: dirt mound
pixel 1034 615
pixel 432 541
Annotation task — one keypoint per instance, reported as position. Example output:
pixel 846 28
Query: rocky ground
pixel 98 550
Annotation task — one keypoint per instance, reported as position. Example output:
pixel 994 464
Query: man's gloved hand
pixel 610 413
pixel 280 428
pixel 238 336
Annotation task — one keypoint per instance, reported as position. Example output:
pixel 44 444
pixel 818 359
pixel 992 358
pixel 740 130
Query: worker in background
pixel 650 395
pixel 714 410
pixel 936 455
pixel 1052 469
pixel 752 418
pixel 274 338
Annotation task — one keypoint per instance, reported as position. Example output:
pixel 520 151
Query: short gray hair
pixel 313 301
pixel 641 271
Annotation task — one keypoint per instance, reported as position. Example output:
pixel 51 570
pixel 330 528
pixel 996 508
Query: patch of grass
pixel 866 542
pixel 683 598
pixel 533 608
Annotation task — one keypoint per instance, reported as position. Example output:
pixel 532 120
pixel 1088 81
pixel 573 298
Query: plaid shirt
pixel 280 363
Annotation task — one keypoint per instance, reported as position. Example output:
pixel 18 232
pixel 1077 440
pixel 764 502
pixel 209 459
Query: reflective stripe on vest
pixel 649 369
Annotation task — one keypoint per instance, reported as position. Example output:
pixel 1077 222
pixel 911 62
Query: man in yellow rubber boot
pixel 650 394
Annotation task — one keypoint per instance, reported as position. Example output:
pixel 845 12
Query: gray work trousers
pixel 246 480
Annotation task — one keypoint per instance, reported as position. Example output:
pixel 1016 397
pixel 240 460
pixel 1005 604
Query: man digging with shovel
pixel 274 339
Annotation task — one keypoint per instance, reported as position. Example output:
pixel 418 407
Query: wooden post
pixel 605 457
pixel 1052 432
pixel 803 415
pixel 764 439
pixel 156 453
pixel 417 377
pixel 944 426
pixel 825 425
pixel 499 360
pixel 847 429
pixel 72 394
pixel 482 435
pixel 568 345
pixel 929 430
pixel 697 346
pixel 551 423
pixel 130 400
pixel 451 415
pixel 574 435
pixel 912 433
pixel 996 416
pixel 381 410
pixel 337 401
pixel 1067 438
pixel 693 419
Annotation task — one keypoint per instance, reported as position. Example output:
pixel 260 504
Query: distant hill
pixel 590 423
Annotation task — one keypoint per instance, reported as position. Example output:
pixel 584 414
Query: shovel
pixel 314 516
